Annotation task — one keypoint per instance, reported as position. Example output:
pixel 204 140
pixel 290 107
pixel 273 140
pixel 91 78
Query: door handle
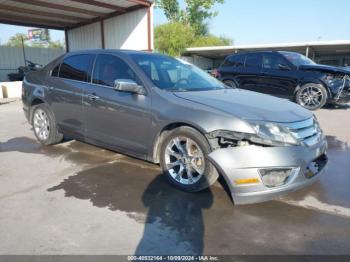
pixel 92 96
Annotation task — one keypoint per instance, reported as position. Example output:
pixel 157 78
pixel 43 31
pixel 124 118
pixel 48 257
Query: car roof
pixel 112 51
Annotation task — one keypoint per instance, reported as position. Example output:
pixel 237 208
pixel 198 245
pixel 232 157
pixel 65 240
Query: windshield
pixel 175 75
pixel 297 59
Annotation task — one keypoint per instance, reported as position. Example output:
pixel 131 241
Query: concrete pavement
pixel 74 198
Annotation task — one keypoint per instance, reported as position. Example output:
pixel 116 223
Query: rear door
pixel 66 86
pixel 279 77
pixel 114 118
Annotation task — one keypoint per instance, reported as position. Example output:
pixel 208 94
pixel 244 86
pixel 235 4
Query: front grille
pixel 307 131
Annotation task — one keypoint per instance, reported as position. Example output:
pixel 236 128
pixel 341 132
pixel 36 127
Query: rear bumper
pixel 244 163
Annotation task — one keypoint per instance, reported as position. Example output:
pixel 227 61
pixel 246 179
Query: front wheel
pixel 312 96
pixel 183 158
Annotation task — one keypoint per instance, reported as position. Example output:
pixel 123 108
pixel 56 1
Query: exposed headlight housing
pixel 268 134
pixel 272 134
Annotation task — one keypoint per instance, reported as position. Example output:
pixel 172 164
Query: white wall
pixel 85 37
pixel 201 62
pixel 127 31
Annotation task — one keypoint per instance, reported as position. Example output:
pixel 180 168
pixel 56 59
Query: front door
pixel 279 78
pixel 250 77
pixel 115 118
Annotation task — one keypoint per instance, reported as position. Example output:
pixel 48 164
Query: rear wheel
pixel 44 125
pixel 312 96
pixel 230 83
pixel 183 158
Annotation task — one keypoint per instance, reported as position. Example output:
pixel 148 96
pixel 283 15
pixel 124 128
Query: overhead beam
pixel 41 13
pixel 100 4
pixel 108 15
pixel 23 18
pixel 51 5
pixel 140 2
pixel 31 24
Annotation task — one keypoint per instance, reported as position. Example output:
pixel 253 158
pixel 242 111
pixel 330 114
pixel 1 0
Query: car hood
pixel 325 68
pixel 248 105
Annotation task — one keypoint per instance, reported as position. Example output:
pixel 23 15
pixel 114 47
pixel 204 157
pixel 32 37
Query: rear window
pixel 76 67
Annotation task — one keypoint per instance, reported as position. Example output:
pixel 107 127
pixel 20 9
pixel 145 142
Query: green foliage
pixel 196 13
pixel 16 41
pixel 173 38
pixel 171 9
pixel 211 40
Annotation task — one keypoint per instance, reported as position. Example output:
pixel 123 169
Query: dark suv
pixel 287 75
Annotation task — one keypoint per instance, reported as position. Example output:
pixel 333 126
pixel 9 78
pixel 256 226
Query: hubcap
pixel 311 97
pixel 184 160
pixel 41 124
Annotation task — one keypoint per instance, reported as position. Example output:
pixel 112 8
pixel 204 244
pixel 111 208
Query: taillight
pixel 216 73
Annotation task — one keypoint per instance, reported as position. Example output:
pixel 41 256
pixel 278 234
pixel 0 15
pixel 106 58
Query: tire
pixel 196 164
pixel 312 96
pixel 230 83
pixel 43 121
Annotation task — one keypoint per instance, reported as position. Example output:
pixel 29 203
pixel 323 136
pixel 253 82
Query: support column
pixel 307 51
pixel 66 39
pixel 102 34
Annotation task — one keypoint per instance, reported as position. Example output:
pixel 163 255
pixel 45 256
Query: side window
pixel 109 68
pixel 253 60
pixel 234 61
pixel 272 61
pixel 76 67
pixel 55 71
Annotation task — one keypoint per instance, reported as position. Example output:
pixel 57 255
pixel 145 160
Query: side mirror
pixel 128 85
pixel 284 67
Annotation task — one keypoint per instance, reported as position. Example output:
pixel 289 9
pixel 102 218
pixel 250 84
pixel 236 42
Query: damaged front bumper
pixel 246 164
pixel 342 96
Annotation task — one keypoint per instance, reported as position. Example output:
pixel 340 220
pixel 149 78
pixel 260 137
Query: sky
pixel 261 21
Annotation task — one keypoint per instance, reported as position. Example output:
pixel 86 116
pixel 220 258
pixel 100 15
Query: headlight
pixel 268 134
pixel 272 134
pixel 334 80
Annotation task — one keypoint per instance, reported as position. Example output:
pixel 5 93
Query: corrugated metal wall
pixel 128 31
pixel 201 62
pixel 85 37
pixel 12 57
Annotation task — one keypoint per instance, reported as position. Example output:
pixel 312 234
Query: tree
pixel 173 38
pixel 211 40
pixel 171 9
pixel 16 40
pixel 196 13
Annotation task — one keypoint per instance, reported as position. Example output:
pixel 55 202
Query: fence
pixel 12 57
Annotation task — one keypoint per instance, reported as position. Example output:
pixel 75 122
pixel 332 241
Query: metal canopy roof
pixel 319 47
pixel 64 14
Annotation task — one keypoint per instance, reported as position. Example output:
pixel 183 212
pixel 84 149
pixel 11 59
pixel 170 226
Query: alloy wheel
pixel 311 97
pixel 184 160
pixel 41 124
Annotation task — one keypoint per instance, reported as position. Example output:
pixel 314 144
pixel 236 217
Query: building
pixel 324 52
pixel 124 24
